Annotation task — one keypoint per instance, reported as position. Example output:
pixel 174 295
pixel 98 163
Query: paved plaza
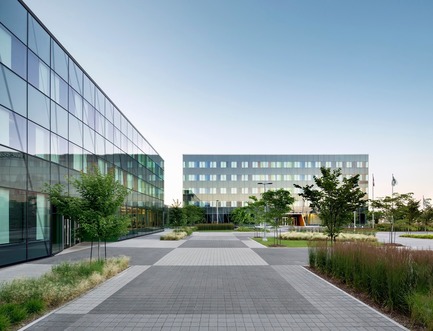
pixel 211 281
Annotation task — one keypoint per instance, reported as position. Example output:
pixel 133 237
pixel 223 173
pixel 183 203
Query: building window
pixel 339 164
pixel 288 177
pixel 359 164
pixel 223 164
pixel 328 164
pixel 234 190
pixel 255 190
pixel 191 164
pixel 212 178
pixel 255 164
pixel 223 178
pixel 191 178
pixel 297 177
pixel 202 178
pixel 212 164
pixel 308 164
pixel 201 190
pixel 348 164
pixel 202 164
pixel 264 164
pixel 223 203
pixel 244 178
pixel 234 178
pixel 308 177
pixel 288 164
pixel 244 190
pixel 297 164
pixel 234 164
pixel 317 164
pixel 245 164
pixel 223 190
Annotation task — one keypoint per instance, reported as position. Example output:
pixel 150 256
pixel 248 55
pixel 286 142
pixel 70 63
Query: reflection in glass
pixel 59 120
pixel 75 157
pixel 14 17
pixel 89 139
pixel 59 90
pixel 12 90
pixel 13 130
pixel 75 130
pixel 59 61
pixel 39 74
pixel 75 104
pixel 39 107
pixel 59 150
pixel 39 40
pixel 12 53
pixel 75 77
pixel 89 90
pixel 38 141
pixel 89 115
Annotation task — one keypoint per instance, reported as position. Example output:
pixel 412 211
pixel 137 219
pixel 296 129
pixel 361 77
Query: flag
pixel 373 180
pixel 394 181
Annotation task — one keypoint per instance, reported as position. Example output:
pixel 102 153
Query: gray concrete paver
pixel 226 285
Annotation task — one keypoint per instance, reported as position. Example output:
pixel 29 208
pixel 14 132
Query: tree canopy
pixel 334 199
pixel 96 205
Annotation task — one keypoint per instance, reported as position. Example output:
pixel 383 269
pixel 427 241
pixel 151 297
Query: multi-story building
pixel 224 182
pixel 55 121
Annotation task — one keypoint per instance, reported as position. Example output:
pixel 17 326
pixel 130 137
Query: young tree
pixel 278 203
pixel 334 200
pixel 193 214
pixel 176 215
pixel 96 208
pixel 241 215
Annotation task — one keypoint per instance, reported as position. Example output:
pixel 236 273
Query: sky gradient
pixel 264 77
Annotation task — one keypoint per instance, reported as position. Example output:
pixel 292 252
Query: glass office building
pixel 225 182
pixel 55 122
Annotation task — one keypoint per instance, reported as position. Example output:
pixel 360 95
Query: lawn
pixel 285 243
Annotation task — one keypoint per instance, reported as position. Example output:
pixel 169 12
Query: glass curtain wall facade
pixel 225 182
pixel 55 122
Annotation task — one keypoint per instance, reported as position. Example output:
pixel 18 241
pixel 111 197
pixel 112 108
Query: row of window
pixel 267 164
pixel 236 204
pixel 234 190
pixel 245 178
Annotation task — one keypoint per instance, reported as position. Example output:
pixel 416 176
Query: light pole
pixel 266 208
pixel 217 209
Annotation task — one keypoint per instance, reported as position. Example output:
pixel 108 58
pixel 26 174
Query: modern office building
pixel 55 121
pixel 221 183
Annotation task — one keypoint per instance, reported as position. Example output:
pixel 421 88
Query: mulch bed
pixel 400 318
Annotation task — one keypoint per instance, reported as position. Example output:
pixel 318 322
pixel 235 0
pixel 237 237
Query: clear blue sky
pixel 264 77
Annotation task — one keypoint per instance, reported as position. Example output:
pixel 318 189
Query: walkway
pixel 212 281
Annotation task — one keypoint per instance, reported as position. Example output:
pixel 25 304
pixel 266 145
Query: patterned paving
pixel 215 282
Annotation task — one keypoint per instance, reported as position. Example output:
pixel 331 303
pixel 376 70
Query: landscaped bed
pixel 23 300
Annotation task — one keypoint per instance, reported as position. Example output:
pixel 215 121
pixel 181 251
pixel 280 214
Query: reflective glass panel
pixel 75 157
pixel 75 130
pixel 99 123
pixel 100 145
pixel 12 53
pixel 89 139
pixel 109 133
pixel 14 17
pixel 59 90
pixel 59 150
pixel 89 114
pixel 89 90
pixel 75 77
pixel 13 130
pixel 12 91
pixel 109 111
pixel 59 61
pixel 39 107
pixel 38 141
pixel 39 173
pixel 39 74
pixel 39 40
pixel 59 120
pixel 99 100
pixel 75 104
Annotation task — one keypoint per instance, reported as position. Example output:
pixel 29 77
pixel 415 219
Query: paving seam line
pixel 362 303
pixel 120 275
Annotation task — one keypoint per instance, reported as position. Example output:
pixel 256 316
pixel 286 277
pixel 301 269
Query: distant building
pixel 224 182
pixel 55 121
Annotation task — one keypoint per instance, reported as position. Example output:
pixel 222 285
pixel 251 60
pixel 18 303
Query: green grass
pixel 417 236
pixel 286 243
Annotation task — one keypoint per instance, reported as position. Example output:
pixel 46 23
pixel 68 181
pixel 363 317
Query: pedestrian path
pixel 211 281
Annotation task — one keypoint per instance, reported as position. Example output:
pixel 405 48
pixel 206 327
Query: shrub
pixel 215 226
pixel 35 306
pixel 173 236
pixel 323 237
pixel 421 309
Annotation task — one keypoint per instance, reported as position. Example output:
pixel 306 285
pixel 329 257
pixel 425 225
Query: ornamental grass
pixel 320 236
pixel 399 279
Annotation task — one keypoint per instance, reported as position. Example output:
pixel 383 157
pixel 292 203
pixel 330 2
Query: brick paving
pixel 225 283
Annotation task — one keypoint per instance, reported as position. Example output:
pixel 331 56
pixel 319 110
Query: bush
pixel 173 236
pixel 215 226
pixel 35 306
pixel 245 229
pixel 323 237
